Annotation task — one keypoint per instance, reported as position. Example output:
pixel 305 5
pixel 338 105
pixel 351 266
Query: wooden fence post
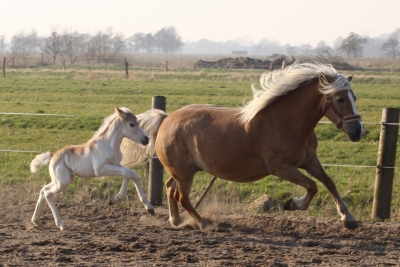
pixel 386 164
pixel 166 66
pixel 271 66
pixel 156 169
pixel 4 67
pixel 126 70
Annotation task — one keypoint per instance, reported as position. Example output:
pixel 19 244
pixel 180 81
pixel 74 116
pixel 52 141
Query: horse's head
pixel 340 108
pixel 130 126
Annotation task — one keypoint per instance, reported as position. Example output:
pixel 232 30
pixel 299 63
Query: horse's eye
pixel 131 124
pixel 340 100
pixel 355 98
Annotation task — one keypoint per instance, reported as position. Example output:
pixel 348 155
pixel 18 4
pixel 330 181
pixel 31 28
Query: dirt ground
pixel 112 236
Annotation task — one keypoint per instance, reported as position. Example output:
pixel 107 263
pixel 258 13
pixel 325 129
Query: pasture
pixel 123 234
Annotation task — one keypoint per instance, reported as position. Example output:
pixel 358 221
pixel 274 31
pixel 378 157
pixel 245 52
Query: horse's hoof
pixel 151 211
pixel 289 205
pixel 110 202
pixel 350 225
pixel 206 226
pixel 63 227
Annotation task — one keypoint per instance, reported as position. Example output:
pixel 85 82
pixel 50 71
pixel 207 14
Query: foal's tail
pixel 133 153
pixel 40 160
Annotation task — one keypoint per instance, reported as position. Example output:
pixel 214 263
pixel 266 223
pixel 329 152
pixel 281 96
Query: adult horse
pixel 272 134
pixel 100 156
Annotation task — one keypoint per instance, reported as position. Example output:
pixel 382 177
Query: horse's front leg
pixel 127 174
pixel 314 168
pixel 291 174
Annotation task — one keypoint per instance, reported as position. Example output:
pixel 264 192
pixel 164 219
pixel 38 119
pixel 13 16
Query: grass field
pixel 90 95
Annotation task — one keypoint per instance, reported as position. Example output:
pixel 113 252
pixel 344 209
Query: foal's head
pixel 340 108
pixel 130 126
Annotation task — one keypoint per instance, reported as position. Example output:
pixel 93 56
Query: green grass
pixel 91 95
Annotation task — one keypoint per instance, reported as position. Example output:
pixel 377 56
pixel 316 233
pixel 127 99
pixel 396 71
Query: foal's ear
pixel 120 113
pixel 350 78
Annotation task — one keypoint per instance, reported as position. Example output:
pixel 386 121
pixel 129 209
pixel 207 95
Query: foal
pixel 100 156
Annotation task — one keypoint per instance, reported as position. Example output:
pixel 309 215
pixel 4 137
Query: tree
pixel 108 44
pixel 353 44
pixel 70 43
pixel 149 43
pixel 52 45
pixel 167 40
pixel 389 48
pixel 2 43
pixel 24 46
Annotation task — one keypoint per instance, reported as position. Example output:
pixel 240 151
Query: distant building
pixel 239 52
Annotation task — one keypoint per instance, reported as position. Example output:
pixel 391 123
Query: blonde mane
pixel 277 83
pixel 108 122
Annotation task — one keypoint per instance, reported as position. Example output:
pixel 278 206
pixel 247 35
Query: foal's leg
pixel 173 197
pixel 291 174
pixel 127 174
pixel 47 192
pixel 314 168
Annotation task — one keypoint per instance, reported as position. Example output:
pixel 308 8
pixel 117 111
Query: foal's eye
pixel 340 100
pixel 131 124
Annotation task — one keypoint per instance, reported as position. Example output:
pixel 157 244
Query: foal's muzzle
pixel 145 140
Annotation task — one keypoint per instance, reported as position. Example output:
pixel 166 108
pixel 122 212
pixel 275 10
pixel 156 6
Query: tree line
pixel 101 47
pixel 105 46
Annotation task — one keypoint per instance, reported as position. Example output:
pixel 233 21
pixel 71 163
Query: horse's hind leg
pixel 173 197
pixel 314 168
pixel 184 200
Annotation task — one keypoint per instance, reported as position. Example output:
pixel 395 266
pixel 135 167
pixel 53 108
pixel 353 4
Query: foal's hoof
pixel 350 225
pixel 63 227
pixel 37 223
pixel 151 211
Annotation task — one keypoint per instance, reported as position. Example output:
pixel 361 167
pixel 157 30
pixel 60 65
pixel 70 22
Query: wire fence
pixel 321 122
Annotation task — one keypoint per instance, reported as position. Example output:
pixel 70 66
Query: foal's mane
pixel 277 83
pixel 109 122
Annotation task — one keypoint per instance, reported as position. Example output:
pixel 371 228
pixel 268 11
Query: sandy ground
pixel 112 236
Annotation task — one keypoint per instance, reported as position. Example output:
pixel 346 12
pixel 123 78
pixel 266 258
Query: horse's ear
pixel 350 78
pixel 120 113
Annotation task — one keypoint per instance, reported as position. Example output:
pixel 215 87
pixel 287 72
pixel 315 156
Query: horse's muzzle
pixel 355 130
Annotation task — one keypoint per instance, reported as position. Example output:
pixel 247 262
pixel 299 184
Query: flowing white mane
pixel 109 122
pixel 278 83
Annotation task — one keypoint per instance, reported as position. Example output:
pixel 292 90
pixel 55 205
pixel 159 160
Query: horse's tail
pixel 40 160
pixel 133 153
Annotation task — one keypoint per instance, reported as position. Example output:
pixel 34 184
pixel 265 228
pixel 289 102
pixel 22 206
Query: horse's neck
pixel 300 108
pixel 113 137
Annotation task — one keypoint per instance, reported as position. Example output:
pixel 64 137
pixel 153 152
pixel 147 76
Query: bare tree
pixel 389 48
pixel 353 44
pixel 108 44
pixel 70 43
pixel 2 43
pixel 24 46
pixel 52 45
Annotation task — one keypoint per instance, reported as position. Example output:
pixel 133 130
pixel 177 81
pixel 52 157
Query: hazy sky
pixel 286 21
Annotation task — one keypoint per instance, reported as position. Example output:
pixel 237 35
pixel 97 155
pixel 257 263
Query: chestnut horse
pixel 272 134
